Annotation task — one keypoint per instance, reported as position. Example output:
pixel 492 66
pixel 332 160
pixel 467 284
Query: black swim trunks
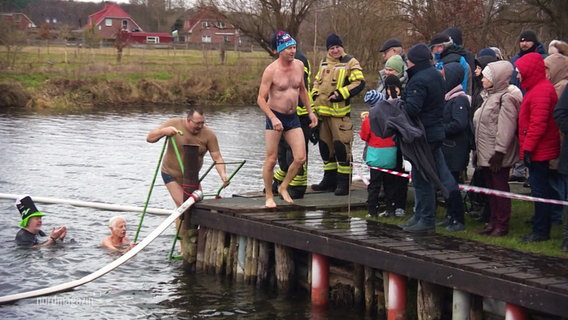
pixel 289 121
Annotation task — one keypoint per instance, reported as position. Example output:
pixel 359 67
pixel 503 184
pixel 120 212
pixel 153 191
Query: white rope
pixel 97 205
pixel 195 197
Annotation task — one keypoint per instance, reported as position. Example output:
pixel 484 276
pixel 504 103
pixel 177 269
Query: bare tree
pixel 258 19
pixel 13 40
pixel 121 40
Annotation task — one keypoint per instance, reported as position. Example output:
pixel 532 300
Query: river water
pixel 103 157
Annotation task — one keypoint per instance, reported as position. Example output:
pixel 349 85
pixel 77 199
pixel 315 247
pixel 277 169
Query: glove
pixel 314 135
pixel 527 158
pixel 335 96
pixel 496 161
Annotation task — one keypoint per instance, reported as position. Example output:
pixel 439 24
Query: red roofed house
pixel 18 21
pixel 208 26
pixel 107 22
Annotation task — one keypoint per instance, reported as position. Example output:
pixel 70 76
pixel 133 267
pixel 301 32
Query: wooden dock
pixel 320 224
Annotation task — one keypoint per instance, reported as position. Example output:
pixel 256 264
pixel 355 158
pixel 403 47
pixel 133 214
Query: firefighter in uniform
pixel 299 183
pixel 339 78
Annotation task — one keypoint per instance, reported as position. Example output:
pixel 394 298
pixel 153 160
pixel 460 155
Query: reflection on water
pixel 104 157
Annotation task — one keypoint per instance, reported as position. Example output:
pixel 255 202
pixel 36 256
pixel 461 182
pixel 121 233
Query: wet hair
pixel 192 110
pixel 112 221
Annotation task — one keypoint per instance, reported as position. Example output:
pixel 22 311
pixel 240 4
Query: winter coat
pixel 561 118
pixel 424 99
pixel 538 133
pixel 390 117
pixel 557 66
pixel 495 122
pixel 457 123
pixel 381 152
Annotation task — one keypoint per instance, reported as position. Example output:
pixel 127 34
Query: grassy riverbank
pixel 69 78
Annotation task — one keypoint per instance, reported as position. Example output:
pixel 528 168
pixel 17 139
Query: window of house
pixel 124 24
pixel 152 39
pixel 225 39
pixel 205 38
pixel 205 24
pixel 18 18
pixel 108 22
pixel 220 24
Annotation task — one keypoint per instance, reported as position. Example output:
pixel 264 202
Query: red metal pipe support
pixel 320 280
pixel 514 312
pixel 396 303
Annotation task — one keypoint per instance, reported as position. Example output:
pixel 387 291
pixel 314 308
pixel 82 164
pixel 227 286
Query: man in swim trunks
pixel 281 86
pixel 189 130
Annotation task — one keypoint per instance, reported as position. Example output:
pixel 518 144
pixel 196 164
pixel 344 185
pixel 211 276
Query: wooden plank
pixel 528 289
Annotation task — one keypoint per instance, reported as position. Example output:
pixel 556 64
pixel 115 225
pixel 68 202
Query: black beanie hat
pixel 333 40
pixel 455 34
pixel 483 61
pixel 528 35
pixel 418 53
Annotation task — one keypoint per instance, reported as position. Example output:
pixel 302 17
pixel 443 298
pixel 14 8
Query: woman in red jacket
pixel 539 139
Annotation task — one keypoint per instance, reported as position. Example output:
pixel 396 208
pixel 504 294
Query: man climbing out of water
pixel 117 241
pixel 192 131
pixel 281 85
pixel 189 130
pixel 31 224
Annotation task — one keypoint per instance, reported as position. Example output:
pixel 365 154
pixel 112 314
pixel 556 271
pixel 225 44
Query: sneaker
pixel 410 222
pixel 387 214
pixel 420 227
pixel 372 216
pixel 445 222
pixel 455 226
pixel 399 212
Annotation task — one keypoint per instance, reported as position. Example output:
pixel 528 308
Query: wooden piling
pixel 369 282
pixel 231 261
pixel 263 266
pixel 429 301
pixel 358 284
pixel 476 310
pixel 190 184
pixel 284 267
pixel 251 266
pixel 200 259
pixel 219 252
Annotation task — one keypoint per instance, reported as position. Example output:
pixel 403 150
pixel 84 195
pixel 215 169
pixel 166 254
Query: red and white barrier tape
pixel 469 188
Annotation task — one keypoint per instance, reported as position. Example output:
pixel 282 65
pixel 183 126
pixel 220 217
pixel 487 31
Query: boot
pixel 342 184
pixel 297 192
pixel 328 183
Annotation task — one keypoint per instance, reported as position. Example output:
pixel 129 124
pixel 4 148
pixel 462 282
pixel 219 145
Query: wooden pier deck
pixel 532 281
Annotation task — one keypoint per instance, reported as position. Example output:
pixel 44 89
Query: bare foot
pixel 285 195
pixel 270 203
